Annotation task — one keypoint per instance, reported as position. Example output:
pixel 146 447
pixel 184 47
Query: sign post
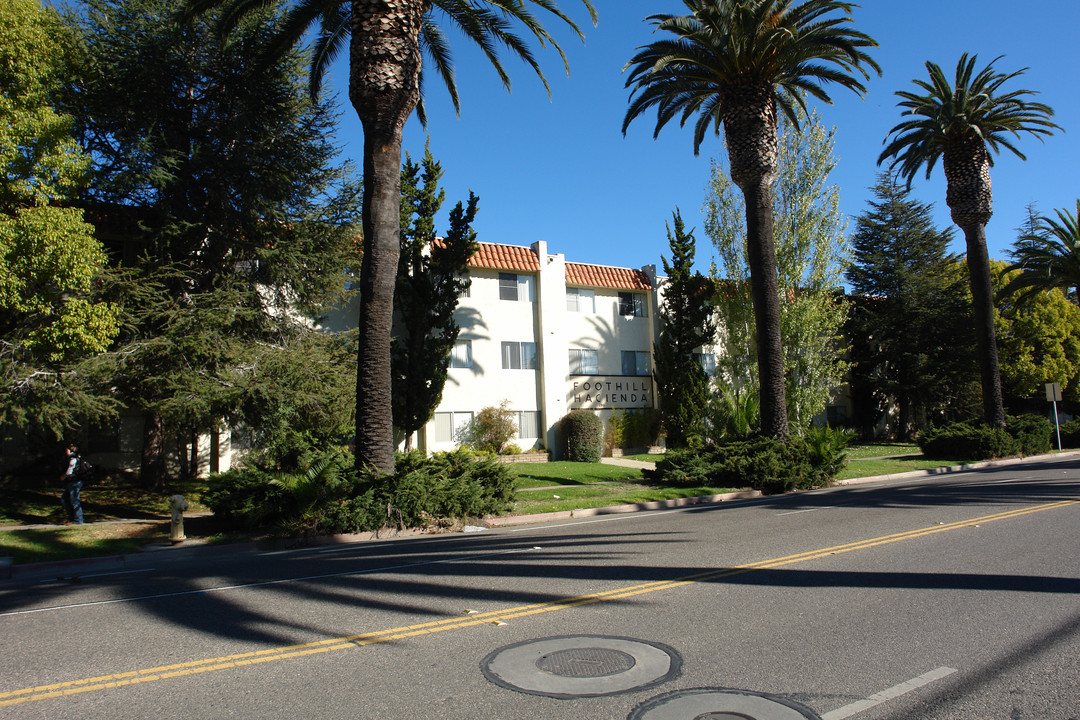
pixel 1053 394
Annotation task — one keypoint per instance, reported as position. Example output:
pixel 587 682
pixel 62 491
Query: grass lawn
pixel 567 486
pixel 533 475
pixel 590 496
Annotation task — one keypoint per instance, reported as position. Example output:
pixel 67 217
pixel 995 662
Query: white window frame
pixel 534 422
pixel 454 424
pixel 518 355
pixel 708 363
pixel 461 354
pixel 584 361
pixel 632 304
pixel 517 288
pixel 641 362
pixel 580 300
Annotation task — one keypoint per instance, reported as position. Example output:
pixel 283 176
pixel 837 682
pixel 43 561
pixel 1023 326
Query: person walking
pixel 72 486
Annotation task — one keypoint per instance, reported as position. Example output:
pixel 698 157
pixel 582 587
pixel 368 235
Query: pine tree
pixel 430 280
pixel 687 324
pixel 219 198
pixel 912 343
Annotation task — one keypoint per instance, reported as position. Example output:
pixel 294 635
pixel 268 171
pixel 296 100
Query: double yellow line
pixel 194 667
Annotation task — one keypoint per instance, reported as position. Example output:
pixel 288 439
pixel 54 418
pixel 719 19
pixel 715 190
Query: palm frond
pixel 943 113
pixel 790 50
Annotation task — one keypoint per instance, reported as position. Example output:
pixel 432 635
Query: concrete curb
pixel 617 509
pixel 951 469
pixel 114 563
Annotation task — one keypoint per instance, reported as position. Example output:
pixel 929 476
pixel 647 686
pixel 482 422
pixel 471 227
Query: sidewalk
pixel 72 569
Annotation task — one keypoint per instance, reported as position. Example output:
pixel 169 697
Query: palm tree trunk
pixel 764 289
pixel 384 71
pixel 378 270
pixel 982 295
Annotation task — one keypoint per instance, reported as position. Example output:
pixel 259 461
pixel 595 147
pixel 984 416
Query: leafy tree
pixel 811 253
pixel 50 317
pixel 492 428
pixel 688 324
pixel 1048 256
pixel 960 123
pixel 219 198
pixel 734 63
pixel 1039 336
pixel 430 280
pixel 910 323
pixel 386 41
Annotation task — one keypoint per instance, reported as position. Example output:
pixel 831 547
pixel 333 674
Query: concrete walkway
pixel 627 462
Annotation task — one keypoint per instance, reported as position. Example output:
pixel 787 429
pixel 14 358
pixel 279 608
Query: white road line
pixel 890 694
pixel 222 588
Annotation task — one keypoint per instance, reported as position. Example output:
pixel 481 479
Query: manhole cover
pixel 581 666
pixel 720 704
pixel 586 662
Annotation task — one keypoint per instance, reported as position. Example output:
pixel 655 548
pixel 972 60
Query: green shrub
pixel 246 498
pixel 584 434
pixel 826 450
pixel 1070 434
pixel 762 463
pixel 1034 433
pixel 334 498
pixel 681 468
pixel 964 441
pixel 492 428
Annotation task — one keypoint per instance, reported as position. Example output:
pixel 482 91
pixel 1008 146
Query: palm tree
pixel 386 41
pixel 961 124
pixel 735 63
pixel 1048 257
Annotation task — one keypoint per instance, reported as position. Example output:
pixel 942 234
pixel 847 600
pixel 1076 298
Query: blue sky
pixel 560 170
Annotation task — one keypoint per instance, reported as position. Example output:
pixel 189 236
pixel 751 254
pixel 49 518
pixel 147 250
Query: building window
pixel 461 355
pixel 632 304
pixel 519 356
pixel 580 300
pixel 516 287
pixel 528 423
pixel 451 426
pixel 708 363
pixel 584 362
pixel 635 362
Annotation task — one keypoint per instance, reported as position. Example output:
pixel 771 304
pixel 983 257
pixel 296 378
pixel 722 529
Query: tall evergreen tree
pixel 687 324
pixel 218 195
pixel 430 281
pixel 909 327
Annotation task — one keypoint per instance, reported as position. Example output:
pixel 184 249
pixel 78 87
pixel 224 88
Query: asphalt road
pixel 950 597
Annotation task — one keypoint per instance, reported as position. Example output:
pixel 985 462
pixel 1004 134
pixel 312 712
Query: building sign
pixel 598 392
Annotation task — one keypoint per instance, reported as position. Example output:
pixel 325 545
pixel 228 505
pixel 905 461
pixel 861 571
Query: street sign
pixel 1053 395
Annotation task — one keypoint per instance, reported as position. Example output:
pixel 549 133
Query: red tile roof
pixel 505 257
pixel 523 259
pixel 606 277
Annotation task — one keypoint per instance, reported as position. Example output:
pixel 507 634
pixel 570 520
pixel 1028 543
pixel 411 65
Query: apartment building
pixel 547 336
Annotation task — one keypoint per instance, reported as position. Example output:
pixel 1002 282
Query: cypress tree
pixel 687 324
pixel 911 338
